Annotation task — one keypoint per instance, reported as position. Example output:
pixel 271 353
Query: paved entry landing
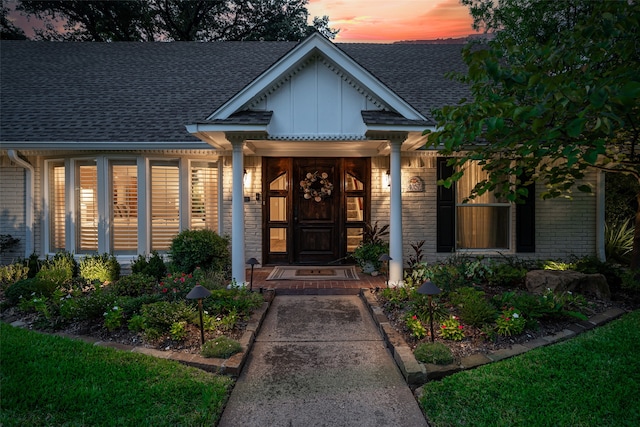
pixel 320 361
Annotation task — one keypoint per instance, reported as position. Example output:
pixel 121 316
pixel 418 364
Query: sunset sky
pixel 384 21
pixel 374 21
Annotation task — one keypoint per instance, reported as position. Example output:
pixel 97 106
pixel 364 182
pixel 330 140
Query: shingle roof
pixel 52 91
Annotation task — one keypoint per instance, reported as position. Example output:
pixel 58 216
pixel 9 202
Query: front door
pixel 314 208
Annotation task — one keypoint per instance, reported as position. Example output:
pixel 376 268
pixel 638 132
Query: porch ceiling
pixel 313 145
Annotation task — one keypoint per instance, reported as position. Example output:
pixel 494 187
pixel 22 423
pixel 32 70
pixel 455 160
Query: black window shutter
pixel 526 222
pixel 446 208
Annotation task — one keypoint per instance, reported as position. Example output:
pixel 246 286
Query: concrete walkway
pixel 320 361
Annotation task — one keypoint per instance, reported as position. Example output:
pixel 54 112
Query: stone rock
pixel 538 281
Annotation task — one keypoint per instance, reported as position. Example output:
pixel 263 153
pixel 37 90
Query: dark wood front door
pixel 316 211
pixel 309 206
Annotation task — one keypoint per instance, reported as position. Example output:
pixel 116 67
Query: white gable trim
pixel 315 44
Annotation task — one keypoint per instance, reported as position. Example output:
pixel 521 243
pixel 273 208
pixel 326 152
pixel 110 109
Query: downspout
pixel 600 216
pixel 29 205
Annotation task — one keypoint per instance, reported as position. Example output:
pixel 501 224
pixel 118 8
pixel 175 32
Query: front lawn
pixel 591 380
pixel 49 380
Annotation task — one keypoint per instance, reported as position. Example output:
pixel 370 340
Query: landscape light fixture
pixel 252 262
pixel 385 258
pixel 199 292
pixel 428 288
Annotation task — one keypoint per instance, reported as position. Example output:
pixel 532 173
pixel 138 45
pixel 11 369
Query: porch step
pixel 316 291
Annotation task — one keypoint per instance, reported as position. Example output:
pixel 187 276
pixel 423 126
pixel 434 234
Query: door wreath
pixel 316 186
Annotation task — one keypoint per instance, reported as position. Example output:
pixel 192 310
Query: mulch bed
pixel 476 341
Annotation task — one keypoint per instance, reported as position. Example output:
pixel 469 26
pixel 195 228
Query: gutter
pixel 600 217
pixel 29 201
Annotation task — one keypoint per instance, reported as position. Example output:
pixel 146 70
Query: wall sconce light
pixel 386 179
pixel 245 179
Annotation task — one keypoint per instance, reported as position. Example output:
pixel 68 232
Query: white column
pixel 237 213
pixel 395 217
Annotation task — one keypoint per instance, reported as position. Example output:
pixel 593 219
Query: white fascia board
pixel 223 127
pixel 398 128
pixel 316 42
pixel 104 145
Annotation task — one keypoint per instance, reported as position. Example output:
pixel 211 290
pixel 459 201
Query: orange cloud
pixel 384 21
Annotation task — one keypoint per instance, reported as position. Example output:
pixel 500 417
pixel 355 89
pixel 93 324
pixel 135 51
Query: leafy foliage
pixel 191 249
pixel 152 266
pixel 221 347
pixel 134 285
pixel 619 242
pixel 510 322
pixel 103 268
pixel 7 242
pixel 175 20
pixel 475 308
pixel 551 100
pixel 436 353
pixel 451 329
pixel 11 273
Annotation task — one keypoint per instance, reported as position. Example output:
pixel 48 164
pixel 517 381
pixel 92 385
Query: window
pixel 87 207
pixel 126 205
pixel 57 207
pixel 124 212
pixel 355 200
pixel 165 204
pixel 277 220
pixel 204 196
pixel 484 222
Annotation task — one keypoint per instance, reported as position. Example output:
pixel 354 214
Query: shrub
pixel 152 266
pixel 416 328
pixel 474 308
pixel 417 274
pixel 137 323
pixel 175 287
pixel 10 274
pixel 436 353
pixel 451 329
pixel 34 264
pixel 103 268
pixel 28 288
pixel 93 305
pixel 200 248
pixel 7 243
pixel 132 305
pixel 510 322
pixel 631 280
pixel 224 301
pixel 134 285
pixel 161 315
pixel 367 255
pixel 221 347
pixel 60 269
pixel 113 318
pixel 505 274
pixel 178 330
pixel 619 241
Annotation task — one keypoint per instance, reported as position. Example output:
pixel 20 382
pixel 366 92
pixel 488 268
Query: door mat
pixel 313 273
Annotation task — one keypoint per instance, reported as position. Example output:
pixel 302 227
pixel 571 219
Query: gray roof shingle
pixel 148 92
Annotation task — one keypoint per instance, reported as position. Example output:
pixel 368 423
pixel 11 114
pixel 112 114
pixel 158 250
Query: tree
pixel 179 20
pixel 550 101
pixel 8 31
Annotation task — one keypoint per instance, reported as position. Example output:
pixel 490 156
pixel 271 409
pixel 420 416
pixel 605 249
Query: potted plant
pixel 368 252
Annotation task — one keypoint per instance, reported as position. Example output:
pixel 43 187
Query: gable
pixel 315 92
pixel 317 100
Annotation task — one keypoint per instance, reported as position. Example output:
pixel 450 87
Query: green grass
pixel 52 381
pixel 591 380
